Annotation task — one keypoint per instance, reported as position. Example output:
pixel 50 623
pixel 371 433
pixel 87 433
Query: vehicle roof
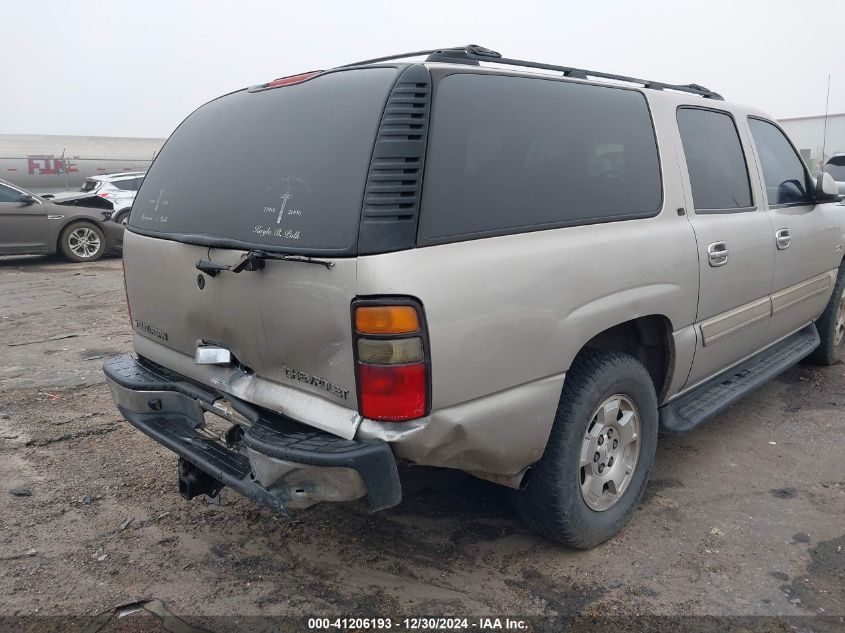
pixel 475 58
pixel 653 94
pixel 117 175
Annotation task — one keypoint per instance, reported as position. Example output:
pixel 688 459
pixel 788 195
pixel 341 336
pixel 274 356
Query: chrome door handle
pixel 717 253
pixel 783 239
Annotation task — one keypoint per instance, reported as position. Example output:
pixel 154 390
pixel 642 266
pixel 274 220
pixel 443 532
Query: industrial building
pixel 808 134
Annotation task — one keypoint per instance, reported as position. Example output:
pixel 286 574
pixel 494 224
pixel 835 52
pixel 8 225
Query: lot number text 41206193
pixel 418 624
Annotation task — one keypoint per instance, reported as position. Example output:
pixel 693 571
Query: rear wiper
pixel 254 260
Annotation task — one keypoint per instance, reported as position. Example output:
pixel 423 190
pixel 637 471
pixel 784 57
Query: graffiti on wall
pixel 44 165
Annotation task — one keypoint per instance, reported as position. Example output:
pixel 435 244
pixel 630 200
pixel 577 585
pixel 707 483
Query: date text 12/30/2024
pixel 418 624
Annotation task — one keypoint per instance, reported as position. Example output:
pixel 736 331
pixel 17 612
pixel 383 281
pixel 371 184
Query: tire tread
pixel 545 505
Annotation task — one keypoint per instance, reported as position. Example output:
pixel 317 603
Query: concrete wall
pixel 44 163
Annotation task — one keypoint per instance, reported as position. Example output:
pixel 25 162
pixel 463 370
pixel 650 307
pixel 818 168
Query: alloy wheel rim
pixel 839 334
pixel 609 452
pixel 84 242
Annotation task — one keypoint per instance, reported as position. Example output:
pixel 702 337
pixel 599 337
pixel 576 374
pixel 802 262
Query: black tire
pixel 829 324
pixel 69 243
pixel 552 503
pixel 121 217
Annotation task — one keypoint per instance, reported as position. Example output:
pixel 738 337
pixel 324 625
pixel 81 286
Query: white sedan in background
pixel 119 189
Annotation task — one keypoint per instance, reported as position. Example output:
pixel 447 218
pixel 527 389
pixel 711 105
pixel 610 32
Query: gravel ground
pixel 745 516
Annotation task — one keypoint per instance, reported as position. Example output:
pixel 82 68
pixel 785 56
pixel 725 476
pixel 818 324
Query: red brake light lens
pixel 392 393
pixel 293 79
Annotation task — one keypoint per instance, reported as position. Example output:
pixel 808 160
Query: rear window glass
pixel 130 184
pixel 715 161
pixel 89 185
pixel 508 154
pixel 281 169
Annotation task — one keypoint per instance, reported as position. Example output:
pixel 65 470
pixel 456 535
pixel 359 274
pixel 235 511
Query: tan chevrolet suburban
pixel 519 270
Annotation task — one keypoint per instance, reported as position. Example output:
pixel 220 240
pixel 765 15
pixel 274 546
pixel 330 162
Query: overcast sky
pixel 119 68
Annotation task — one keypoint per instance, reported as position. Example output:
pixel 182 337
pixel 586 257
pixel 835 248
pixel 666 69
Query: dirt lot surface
pixel 745 516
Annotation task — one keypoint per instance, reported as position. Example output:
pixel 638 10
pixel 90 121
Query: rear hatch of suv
pixel 280 170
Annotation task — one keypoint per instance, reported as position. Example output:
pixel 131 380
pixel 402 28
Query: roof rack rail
pixel 472 54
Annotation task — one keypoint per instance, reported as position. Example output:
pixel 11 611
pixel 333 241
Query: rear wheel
pixel 831 325
pixel 600 452
pixel 121 217
pixel 82 242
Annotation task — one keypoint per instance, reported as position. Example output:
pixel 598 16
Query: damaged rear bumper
pixel 267 457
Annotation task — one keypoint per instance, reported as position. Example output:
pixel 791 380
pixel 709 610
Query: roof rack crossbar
pixel 475 53
pixel 581 73
pixel 387 58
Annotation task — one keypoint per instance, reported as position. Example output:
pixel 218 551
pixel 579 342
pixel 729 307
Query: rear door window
pixel 281 169
pixel 716 163
pixel 130 184
pixel 787 180
pixel 511 154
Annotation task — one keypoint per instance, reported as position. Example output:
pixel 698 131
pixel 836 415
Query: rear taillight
pixel 104 195
pixel 391 351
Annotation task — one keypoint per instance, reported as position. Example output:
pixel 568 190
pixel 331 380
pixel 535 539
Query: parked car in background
pixel 77 227
pixel 835 166
pixel 119 189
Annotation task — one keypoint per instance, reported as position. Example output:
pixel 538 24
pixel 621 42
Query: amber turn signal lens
pixel 386 319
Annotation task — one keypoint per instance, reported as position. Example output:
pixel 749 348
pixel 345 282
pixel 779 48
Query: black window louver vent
pixel 394 183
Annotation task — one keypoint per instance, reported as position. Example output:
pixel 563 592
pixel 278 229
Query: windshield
pixel 281 169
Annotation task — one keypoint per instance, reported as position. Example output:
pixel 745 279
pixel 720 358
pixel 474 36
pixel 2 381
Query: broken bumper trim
pixel 166 407
pixel 226 466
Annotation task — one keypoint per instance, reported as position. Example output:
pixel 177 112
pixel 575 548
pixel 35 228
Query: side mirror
pixel 791 191
pixel 826 189
pixel 28 198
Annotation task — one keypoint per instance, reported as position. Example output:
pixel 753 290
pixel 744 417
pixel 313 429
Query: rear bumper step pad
pixel 717 394
pixel 374 461
pixel 280 438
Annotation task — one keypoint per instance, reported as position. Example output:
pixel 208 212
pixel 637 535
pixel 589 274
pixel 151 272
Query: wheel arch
pixel 648 339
